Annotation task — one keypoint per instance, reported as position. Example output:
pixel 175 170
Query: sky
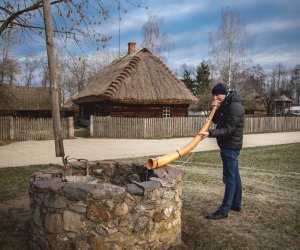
pixel 273 27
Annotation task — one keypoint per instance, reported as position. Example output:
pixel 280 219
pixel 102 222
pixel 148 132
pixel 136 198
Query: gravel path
pixel 43 152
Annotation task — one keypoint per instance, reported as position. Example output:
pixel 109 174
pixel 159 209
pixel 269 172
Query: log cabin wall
pixel 131 110
pixel 27 113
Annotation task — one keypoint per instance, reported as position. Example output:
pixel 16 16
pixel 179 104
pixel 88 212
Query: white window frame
pixel 166 112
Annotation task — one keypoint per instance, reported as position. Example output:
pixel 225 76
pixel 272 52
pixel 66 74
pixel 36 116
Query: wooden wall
pixel 130 110
pixel 27 113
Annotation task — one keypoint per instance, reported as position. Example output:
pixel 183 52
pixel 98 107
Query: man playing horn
pixel 229 118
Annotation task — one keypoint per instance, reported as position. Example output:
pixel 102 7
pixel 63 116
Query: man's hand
pixel 204 135
pixel 216 102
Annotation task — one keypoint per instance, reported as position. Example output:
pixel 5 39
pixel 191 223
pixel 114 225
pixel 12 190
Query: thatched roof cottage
pixel 25 102
pixel 136 85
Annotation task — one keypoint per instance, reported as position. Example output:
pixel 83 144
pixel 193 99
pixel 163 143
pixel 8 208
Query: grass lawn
pixel 269 217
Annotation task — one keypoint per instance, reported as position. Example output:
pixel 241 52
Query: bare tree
pixel 79 68
pixel 30 66
pixel 73 21
pixel 156 42
pixel 229 44
pixel 9 66
pixel 295 83
pixel 9 69
pixel 44 73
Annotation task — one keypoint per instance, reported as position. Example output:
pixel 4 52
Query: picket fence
pixel 145 128
pixel 22 129
pixel 117 127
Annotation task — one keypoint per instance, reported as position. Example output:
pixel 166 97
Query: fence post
pixel 11 128
pixel 70 127
pixel 91 126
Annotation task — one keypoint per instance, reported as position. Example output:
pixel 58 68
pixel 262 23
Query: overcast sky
pixel 273 25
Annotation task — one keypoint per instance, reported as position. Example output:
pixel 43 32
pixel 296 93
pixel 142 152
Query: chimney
pixel 131 48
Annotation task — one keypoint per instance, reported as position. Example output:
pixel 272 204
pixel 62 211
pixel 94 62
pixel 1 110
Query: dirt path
pixel 43 152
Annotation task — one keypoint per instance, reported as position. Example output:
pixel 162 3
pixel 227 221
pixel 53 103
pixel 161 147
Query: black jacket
pixel 230 122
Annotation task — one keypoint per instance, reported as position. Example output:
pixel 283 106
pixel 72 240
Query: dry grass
pixel 269 219
pixel 270 214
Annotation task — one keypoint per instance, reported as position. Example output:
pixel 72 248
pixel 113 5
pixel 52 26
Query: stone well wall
pixel 119 206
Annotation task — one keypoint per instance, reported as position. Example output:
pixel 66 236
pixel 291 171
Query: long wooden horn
pixel 165 159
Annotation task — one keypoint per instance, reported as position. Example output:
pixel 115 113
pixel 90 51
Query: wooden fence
pixel 144 128
pixel 22 129
pixel 117 127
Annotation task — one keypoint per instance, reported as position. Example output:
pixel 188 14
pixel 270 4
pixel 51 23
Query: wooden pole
pixel 54 90
pixel 11 128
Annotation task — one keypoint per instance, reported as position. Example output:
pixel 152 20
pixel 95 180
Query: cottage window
pixel 166 112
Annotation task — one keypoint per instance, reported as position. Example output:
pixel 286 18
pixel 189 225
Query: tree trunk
pixel 54 89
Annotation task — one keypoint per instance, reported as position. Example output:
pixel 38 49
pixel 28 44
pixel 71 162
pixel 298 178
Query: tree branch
pixel 15 15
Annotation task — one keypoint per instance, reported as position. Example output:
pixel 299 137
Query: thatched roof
pixel 24 98
pixel 70 105
pixel 283 98
pixel 137 78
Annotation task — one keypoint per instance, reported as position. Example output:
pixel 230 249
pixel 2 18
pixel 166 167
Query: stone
pixel 136 215
pixel 163 182
pixel 168 195
pixel 141 224
pixel 174 173
pixel 168 172
pixel 54 201
pixel 98 242
pixel 109 204
pixel 107 168
pixel 81 179
pixel 129 199
pixel 149 185
pixel 97 213
pixel 78 207
pixel 77 164
pixel 36 216
pixel 46 184
pixel 158 216
pixel 97 171
pixel 53 223
pixel 149 205
pixel 124 164
pixel 134 189
pixel 105 231
pixel 77 191
pixel 72 221
pixel 121 209
pixel 134 177
pixel 168 211
pixel 42 176
pixel 107 191
pixel 82 245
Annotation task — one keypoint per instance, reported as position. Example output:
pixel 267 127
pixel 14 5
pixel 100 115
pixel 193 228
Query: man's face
pixel 219 98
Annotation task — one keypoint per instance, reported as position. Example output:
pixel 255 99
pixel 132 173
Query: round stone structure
pixel 105 205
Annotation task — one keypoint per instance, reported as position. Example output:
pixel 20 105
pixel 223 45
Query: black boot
pixel 237 209
pixel 216 215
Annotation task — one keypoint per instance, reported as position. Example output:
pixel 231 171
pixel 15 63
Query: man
pixel 229 118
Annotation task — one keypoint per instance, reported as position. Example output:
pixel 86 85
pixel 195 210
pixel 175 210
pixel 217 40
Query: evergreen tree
pixel 202 89
pixel 188 81
pixel 202 78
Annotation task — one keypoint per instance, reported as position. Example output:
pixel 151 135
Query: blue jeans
pixel 232 180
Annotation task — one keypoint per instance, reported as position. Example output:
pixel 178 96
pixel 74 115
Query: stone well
pixel 118 205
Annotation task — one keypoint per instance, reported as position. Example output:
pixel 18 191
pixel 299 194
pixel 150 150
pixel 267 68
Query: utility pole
pixel 54 88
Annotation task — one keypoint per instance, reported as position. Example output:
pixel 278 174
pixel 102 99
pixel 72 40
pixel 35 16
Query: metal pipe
pixel 165 159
